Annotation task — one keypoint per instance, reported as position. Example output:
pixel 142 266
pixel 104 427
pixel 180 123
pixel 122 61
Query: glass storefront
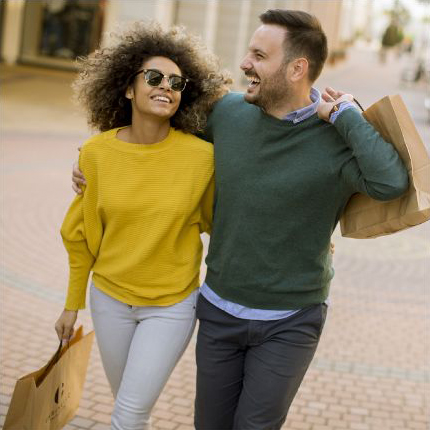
pixel 58 31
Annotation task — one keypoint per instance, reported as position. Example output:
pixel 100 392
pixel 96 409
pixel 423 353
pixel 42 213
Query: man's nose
pixel 245 64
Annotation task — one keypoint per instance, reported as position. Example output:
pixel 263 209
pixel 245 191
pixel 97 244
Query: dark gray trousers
pixel 249 371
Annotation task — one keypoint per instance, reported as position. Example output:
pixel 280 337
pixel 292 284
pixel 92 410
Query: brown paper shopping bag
pixel 364 217
pixel 48 398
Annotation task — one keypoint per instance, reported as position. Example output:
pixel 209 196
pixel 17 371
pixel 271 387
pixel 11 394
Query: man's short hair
pixel 304 37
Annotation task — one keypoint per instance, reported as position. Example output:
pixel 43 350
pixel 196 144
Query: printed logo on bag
pixel 60 399
pixel 59 393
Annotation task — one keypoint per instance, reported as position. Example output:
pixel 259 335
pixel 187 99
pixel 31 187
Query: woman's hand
pixel 64 325
pixel 332 248
pixel 77 179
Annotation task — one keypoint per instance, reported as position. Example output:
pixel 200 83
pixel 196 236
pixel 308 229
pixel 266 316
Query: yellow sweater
pixel 137 225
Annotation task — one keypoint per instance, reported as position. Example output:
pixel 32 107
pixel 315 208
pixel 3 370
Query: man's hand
pixel 64 325
pixel 77 179
pixel 329 99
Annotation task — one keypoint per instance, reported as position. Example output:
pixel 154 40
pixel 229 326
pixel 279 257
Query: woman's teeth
pixel 161 99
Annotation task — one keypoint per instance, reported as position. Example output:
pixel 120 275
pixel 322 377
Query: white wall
pixel 12 32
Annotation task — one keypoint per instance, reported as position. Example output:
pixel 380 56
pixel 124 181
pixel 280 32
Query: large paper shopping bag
pixel 48 398
pixel 364 217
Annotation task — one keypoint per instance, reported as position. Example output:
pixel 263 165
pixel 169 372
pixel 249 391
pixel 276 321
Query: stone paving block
pixel 417 425
pixel 316 420
pixel 375 422
pixel 182 402
pixel 6 380
pixel 101 398
pixel 310 411
pixel 183 419
pixel 379 414
pixel 360 399
pixel 317 405
pixel 392 423
pixel 4 400
pixel 174 391
pixel 82 422
pixel 69 427
pixel 353 418
pixel 100 389
pixel 85 413
pixel 338 424
pixel 100 426
pixel 359 411
pixel 87 404
pixel 401 416
pixel 185 427
pixel 167 425
pixel 359 426
pixel 347 401
pixel 162 415
pixel 330 414
pixel 421 418
pixel 7 390
pixel 166 397
pixel 105 409
pixel 413 409
pixel 299 425
pixel 180 410
pixel 163 405
pixel 101 417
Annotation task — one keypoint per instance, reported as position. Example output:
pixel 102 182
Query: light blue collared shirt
pixel 306 112
pixel 244 312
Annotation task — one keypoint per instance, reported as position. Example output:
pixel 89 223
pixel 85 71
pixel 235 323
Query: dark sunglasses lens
pixel 153 78
pixel 177 83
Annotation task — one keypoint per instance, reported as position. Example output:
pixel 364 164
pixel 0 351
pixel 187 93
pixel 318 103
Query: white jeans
pixel 139 347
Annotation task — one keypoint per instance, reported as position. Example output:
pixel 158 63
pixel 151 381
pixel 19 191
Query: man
pixel 284 173
pixel 283 177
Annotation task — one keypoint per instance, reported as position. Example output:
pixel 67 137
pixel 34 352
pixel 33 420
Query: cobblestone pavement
pixel 371 371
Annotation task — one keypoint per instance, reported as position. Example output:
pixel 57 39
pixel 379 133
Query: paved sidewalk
pixel 371 371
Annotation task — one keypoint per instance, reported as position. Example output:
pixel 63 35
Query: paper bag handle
pixel 50 364
pixel 358 104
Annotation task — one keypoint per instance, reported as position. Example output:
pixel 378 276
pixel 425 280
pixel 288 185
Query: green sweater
pixel 280 191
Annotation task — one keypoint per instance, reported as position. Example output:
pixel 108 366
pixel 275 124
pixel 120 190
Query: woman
pixel 148 196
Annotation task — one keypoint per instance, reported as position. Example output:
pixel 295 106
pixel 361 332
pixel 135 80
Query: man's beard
pixel 272 93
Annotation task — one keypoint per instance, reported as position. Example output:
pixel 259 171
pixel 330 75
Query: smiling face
pixel 264 65
pixel 160 102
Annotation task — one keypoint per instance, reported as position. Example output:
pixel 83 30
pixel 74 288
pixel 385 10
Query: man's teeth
pixel 161 99
pixel 253 80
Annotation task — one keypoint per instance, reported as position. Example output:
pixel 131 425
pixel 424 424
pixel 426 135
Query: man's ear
pixel 298 69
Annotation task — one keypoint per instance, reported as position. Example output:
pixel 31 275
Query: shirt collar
pixel 306 112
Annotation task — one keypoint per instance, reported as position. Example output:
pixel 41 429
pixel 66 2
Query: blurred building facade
pixel 53 33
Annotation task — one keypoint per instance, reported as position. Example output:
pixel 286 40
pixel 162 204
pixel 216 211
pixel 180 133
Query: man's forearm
pixel 382 174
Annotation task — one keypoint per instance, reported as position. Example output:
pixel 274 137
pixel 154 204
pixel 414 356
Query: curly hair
pixel 105 75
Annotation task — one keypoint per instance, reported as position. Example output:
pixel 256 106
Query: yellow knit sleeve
pixel 80 258
pixel 206 207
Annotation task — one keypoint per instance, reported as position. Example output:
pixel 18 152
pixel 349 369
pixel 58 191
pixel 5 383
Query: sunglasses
pixel 154 77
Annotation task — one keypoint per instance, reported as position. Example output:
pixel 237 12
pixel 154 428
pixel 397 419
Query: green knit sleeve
pixel 375 168
pixel 206 208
